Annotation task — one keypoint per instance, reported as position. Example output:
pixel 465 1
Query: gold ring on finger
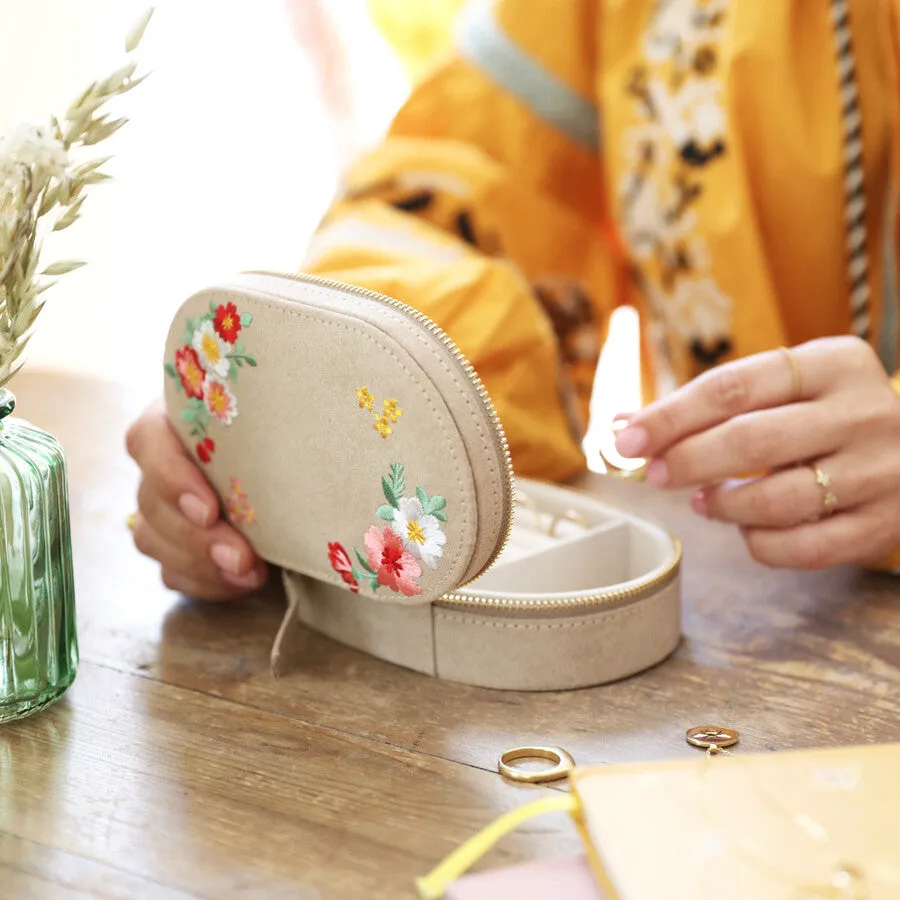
pixel 796 379
pixel 823 479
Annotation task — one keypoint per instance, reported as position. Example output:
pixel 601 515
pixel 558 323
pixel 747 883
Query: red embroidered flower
pixel 205 449
pixel 397 568
pixel 227 322
pixel 191 373
pixel 340 562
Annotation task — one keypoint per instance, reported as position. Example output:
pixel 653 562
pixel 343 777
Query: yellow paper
pixel 781 826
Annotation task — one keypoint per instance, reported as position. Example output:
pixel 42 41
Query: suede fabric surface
pixel 351 443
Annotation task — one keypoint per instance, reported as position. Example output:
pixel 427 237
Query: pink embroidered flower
pixel 205 449
pixel 220 401
pixel 396 567
pixel 238 506
pixel 191 373
pixel 227 322
pixel 340 562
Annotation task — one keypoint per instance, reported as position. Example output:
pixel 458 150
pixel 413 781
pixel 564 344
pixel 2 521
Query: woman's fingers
pixel 773 379
pixel 212 567
pixel 848 537
pixel 758 382
pixel 755 442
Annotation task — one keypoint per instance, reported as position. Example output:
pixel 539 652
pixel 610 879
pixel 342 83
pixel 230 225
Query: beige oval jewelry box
pixel 357 450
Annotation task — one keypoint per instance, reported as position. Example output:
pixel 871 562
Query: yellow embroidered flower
pixel 366 400
pixel 392 411
pixel 382 425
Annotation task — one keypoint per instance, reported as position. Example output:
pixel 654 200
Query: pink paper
pixel 552 879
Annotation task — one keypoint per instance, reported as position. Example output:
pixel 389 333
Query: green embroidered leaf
pixel 196 403
pixel 187 336
pixel 389 494
pixel 246 319
pixel 189 415
pixel 239 349
pixel 398 478
pixel 437 503
pixel 241 358
pixel 373 583
pixel 171 371
pixel 364 562
pixel 357 574
pixel 213 307
pixel 386 512
pixel 440 515
pixel 232 372
pixel 422 494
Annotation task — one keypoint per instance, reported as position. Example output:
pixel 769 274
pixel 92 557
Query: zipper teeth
pixel 465 601
pixel 436 331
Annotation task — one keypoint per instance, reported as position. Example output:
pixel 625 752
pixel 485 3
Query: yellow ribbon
pixel 433 885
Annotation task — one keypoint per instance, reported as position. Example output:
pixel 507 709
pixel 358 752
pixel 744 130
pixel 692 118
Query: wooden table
pixel 177 767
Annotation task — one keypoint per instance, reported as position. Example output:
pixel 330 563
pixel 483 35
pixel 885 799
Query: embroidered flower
pixel 340 562
pixel 212 350
pixel 238 506
pixel 220 401
pixel 420 532
pixel 187 365
pixel 383 426
pixel 366 400
pixel 392 411
pixel 227 322
pixel 205 449
pixel 394 565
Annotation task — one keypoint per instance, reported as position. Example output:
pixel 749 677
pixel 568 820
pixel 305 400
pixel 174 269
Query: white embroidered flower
pixel 647 223
pixel 421 533
pixel 34 146
pixel 212 350
pixel 693 114
pixel 698 310
pixel 679 27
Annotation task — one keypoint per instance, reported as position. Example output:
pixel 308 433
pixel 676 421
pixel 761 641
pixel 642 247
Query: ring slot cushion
pixel 356 449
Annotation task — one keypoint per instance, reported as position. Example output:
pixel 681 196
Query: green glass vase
pixel 38 645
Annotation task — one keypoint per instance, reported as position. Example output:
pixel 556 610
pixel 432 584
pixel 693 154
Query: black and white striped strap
pixel 854 173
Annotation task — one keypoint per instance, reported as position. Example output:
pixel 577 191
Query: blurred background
pixel 231 156
pixel 234 150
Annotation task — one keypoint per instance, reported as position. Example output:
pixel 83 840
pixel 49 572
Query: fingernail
pixel 658 473
pixel 699 505
pixel 253 579
pixel 621 420
pixel 632 441
pixel 226 558
pixel 194 509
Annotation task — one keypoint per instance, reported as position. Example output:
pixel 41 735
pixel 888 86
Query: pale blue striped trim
pixel 891 312
pixel 482 42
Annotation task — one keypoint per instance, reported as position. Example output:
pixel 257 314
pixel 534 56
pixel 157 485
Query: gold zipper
pixel 463 601
pixel 501 443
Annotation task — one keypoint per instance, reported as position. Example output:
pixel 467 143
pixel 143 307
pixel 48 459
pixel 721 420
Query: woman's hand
pixel 179 523
pixel 836 411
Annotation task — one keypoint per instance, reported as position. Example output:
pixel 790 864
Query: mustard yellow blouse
pixel 727 166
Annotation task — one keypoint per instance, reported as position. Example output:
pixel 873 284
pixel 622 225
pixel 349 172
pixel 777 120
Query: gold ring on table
pixel 795 373
pixel 130 520
pixel 823 479
pixel 563 764
pixel 523 499
pixel 568 516
pixel 632 469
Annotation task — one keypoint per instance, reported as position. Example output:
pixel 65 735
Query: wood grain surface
pixel 177 767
